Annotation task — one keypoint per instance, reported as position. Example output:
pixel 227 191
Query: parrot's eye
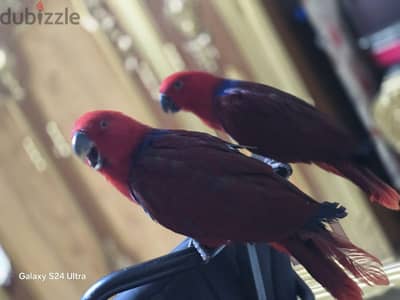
pixel 103 124
pixel 178 84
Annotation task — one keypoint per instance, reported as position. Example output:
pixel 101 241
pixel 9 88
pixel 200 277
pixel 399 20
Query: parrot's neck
pixel 115 178
pixel 209 113
pixel 202 103
pixel 224 86
pixel 117 170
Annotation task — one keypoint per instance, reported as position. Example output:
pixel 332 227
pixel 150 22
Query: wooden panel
pixel 199 35
pixel 76 78
pixel 42 227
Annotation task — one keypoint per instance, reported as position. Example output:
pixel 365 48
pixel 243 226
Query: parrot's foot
pixel 281 169
pixel 205 252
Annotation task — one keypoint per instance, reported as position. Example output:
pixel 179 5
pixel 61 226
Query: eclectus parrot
pixel 275 124
pixel 200 186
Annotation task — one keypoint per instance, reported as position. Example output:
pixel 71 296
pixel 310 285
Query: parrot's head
pixel 106 141
pixel 190 91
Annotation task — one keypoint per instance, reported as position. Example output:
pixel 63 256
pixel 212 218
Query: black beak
pixel 168 105
pixel 86 150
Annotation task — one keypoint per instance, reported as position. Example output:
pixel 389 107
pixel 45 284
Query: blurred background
pixel 57 215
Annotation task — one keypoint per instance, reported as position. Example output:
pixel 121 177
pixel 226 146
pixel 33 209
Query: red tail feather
pixel 324 254
pixel 377 190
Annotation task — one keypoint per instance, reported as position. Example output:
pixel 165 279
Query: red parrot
pixel 275 124
pixel 200 186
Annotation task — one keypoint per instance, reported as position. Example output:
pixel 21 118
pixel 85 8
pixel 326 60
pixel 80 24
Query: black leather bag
pixel 228 276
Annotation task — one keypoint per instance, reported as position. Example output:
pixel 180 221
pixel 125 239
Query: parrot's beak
pixel 86 150
pixel 168 105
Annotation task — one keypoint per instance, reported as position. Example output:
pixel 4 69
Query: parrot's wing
pixel 197 185
pixel 281 125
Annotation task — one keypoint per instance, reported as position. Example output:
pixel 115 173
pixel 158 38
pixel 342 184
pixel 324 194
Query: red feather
pixel 326 271
pixel 377 190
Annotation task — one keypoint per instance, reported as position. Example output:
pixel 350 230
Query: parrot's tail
pixel 325 254
pixel 377 190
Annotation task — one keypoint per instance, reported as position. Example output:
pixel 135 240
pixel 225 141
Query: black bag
pixel 228 276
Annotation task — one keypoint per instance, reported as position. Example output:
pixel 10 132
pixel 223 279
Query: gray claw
pixel 281 169
pixel 206 253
